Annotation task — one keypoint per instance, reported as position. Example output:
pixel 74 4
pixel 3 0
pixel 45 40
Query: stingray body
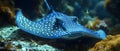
pixel 56 25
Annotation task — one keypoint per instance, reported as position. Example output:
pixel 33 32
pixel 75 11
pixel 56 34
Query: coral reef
pixel 111 43
pixel 26 46
pixel 12 40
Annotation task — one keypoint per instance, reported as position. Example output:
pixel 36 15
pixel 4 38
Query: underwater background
pixel 92 14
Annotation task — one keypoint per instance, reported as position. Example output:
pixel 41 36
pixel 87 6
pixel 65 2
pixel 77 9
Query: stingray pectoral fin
pixel 72 35
pixel 101 34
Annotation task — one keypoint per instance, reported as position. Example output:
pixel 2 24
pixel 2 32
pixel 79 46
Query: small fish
pixel 56 25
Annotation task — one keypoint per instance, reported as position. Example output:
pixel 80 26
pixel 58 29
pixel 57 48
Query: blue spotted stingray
pixel 56 25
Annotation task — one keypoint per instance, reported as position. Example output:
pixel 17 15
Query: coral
pixel 8 46
pixel 92 24
pixel 111 43
pixel 5 32
pixel 26 46
pixel 95 23
pixel 7 12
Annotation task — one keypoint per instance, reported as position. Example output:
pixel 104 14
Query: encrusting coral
pixel 111 43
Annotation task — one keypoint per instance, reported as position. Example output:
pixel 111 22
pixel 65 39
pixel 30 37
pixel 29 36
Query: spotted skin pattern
pixel 56 25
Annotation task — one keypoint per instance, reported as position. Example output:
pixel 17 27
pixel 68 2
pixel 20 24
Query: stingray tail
pixel 47 4
pixel 101 34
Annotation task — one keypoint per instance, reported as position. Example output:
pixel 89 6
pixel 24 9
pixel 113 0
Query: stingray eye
pixel 59 24
pixel 58 21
